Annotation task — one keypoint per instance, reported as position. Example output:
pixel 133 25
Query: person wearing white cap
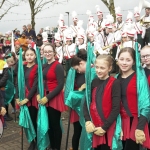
pixel 69 50
pixel 140 30
pixel 123 40
pixel 91 21
pixel 100 20
pixel 131 34
pixel 61 27
pixel 58 45
pixel 119 23
pixel 81 40
pixel 106 37
pixel 129 18
pixel 74 27
pixel 92 38
pixel 45 37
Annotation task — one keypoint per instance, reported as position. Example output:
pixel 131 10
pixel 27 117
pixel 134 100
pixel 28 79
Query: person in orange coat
pixel 23 42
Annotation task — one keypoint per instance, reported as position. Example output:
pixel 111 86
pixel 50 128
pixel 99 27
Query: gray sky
pixel 80 6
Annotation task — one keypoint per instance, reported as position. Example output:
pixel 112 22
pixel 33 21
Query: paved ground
pixel 11 139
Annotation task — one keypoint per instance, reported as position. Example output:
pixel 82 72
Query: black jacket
pixel 31 33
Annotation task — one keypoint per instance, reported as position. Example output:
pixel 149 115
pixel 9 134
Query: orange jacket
pixel 23 42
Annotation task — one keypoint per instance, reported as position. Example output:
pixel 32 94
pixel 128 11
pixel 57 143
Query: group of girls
pixel 110 97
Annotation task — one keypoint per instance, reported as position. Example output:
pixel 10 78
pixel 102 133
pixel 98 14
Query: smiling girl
pixel 53 77
pixel 134 125
pixel 105 105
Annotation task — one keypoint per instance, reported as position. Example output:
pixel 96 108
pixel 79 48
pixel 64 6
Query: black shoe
pixel 8 118
pixel 32 145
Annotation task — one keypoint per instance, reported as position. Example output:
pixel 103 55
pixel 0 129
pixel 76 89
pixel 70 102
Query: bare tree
pixel 6 5
pixel 38 5
pixel 111 7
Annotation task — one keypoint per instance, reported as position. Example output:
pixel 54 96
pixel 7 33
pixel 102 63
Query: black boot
pixel 32 145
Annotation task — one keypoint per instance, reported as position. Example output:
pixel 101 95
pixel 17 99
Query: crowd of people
pixel 107 112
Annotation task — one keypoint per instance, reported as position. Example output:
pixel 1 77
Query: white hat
pixel 130 30
pixel 109 21
pixel 74 16
pixel 99 12
pixel 47 28
pixel 79 24
pixel 45 36
pixel 57 37
pixel 69 37
pixel 61 17
pixel 81 34
pixel 129 17
pixel 136 12
pixel 118 12
pixel 89 13
pixel 91 31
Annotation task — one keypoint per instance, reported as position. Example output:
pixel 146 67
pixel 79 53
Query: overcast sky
pixel 80 6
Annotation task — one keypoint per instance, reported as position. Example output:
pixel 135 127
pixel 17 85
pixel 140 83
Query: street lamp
pixel 68 17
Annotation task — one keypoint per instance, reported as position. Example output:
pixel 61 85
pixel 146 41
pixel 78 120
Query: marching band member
pixel 91 21
pixel 92 37
pixel 139 29
pixel 61 27
pixel 106 37
pixel 145 20
pixel 81 40
pixel 123 40
pixel 119 23
pixel 100 20
pixel 69 50
pixel 74 27
pixel 58 49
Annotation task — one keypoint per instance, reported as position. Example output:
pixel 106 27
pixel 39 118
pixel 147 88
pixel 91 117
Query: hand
pixel 139 136
pixel 38 97
pixel 18 101
pixel 43 101
pixel 121 135
pixel 3 111
pixel 83 86
pixel 99 131
pixel 89 126
pixel 23 102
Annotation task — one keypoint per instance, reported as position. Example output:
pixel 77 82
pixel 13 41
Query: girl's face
pixel 125 62
pixel 30 56
pixel 102 69
pixel 10 61
pixel 49 52
pixel 81 67
pixel 81 41
pixel 145 56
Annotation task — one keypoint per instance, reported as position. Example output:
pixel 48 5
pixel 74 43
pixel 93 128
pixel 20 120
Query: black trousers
pixel 13 105
pixel 130 145
pixel 55 132
pixel 33 114
pixel 147 37
pixel 76 135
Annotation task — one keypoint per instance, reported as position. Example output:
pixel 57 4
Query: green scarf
pixel 142 87
pixel 24 118
pixel 42 121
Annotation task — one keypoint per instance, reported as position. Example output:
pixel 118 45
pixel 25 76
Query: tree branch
pixel 106 3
